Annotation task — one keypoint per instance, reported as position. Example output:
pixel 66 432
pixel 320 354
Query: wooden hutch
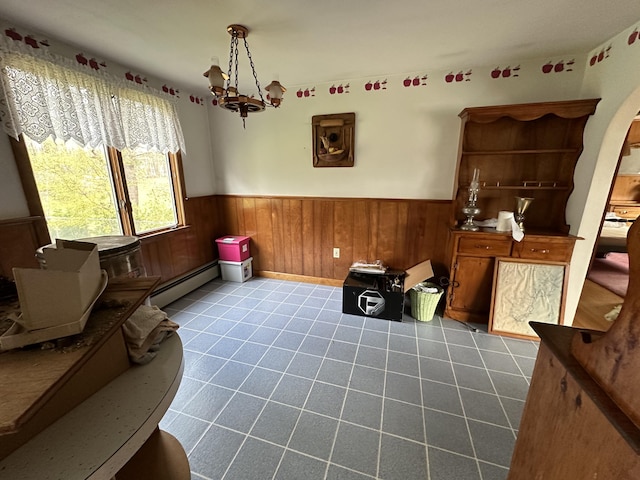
pixel 525 150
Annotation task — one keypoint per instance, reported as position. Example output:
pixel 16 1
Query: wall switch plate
pixel 336 253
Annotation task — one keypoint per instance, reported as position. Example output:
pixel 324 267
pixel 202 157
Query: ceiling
pixel 313 42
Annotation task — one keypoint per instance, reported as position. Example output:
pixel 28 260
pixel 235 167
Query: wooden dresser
pixel 473 262
pixel 525 150
pixel 625 196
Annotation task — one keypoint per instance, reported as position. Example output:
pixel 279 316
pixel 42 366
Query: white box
pixel 236 271
pixel 63 292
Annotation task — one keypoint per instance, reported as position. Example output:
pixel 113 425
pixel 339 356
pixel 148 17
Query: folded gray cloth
pixel 144 330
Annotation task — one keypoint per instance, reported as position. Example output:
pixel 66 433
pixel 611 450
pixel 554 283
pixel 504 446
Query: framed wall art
pixel 333 139
pixel 526 291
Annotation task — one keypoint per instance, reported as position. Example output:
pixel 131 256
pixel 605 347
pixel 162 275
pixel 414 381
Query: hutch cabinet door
pixel 470 293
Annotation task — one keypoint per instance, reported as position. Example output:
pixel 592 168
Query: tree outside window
pixel 102 191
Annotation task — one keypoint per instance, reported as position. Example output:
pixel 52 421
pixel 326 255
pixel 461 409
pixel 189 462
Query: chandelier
pixel 225 86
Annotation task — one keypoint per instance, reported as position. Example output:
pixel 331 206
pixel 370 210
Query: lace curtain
pixel 43 95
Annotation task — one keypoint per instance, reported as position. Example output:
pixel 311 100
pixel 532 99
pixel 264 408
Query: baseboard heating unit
pixel 179 287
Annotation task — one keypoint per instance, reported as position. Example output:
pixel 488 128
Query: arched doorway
pixel 594 304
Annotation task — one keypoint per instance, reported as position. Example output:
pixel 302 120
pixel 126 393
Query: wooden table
pixel 100 436
pixel 80 410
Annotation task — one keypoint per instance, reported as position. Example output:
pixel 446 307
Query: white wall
pixel 12 201
pixel 199 174
pixel 197 161
pixel 617 81
pixel 406 137
pixel 197 164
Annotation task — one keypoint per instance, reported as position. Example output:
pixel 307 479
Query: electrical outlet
pixel 336 253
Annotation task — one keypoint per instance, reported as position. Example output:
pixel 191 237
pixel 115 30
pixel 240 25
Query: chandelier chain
pixel 229 97
pixel 230 67
pixel 253 69
pixel 235 41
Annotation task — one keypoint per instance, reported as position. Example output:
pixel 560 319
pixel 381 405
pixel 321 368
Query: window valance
pixel 42 95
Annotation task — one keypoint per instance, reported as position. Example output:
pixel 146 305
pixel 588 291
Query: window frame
pixel 114 159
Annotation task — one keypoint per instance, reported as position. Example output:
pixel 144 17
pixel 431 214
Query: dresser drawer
pixel 484 246
pixel 558 251
pixel 630 213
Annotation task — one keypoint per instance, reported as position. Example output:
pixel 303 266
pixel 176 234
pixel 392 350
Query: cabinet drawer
pixel 488 247
pixel 544 250
pixel 630 213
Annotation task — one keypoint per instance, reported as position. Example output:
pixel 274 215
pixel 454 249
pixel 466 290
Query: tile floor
pixel 279 384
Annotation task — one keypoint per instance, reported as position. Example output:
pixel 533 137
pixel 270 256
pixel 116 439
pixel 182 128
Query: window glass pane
pixel 150 187
pixel 75 189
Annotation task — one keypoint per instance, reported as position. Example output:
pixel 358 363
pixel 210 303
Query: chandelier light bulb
pixel 216 78
pixel 276 90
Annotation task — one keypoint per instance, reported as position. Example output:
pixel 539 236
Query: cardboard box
pixel 63 292
pixel 418 273
pixel 381 295
pixel 233 248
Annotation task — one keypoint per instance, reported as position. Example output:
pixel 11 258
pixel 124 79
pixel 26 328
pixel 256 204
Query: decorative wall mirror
pixel 333 140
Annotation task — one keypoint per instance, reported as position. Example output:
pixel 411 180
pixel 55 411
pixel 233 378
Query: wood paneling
pixel 296 235
pixel 19 240
pixel 292 236
pixel 176 252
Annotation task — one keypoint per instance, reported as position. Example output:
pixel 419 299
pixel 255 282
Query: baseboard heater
pixel 179 287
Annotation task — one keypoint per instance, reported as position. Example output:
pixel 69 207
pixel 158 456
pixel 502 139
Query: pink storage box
pixel 233 248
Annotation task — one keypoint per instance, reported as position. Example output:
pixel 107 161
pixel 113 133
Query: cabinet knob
pixel 535 250
pixel 483 247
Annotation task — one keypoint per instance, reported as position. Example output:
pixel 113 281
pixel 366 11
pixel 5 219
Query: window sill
pixel 157 235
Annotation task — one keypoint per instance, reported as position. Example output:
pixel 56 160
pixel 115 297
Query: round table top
pixel 95 439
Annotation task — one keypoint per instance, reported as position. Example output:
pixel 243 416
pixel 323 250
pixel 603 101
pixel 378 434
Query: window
pixel 87 192
pixel 88 165
pixel 150 190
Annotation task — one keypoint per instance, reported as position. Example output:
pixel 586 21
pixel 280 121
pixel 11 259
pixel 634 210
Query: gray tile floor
pixel 279 384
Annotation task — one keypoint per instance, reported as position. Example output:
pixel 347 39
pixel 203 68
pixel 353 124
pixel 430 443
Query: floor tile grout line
pixel 388 331
pixel 422 407
pixel 289 449
pixel 464 415
pixel 303 405
pixel 504 410
pixel 244 440
pixel 212 422
pixel 384 396
pixel 344 401
pixel 303 409
pixel 355 389
pixel 501 406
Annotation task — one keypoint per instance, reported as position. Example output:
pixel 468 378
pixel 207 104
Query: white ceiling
pixel 324 41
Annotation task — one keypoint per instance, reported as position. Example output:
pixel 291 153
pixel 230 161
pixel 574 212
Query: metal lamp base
pixel 470 211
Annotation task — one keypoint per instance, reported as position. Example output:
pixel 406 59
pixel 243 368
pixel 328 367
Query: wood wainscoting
pixel 295 236
pixel 19 240
pixel 291 237
pixel 175 252
pixel 168 254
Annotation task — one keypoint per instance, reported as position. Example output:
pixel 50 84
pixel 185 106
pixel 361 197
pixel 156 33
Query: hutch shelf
pixel 524 150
